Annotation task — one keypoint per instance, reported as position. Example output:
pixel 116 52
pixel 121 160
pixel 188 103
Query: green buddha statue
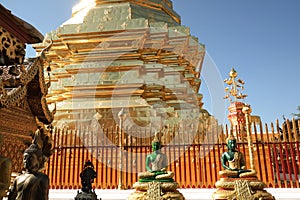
pixel 237 182
pixel 156 182
pixel 233 161
pixel 156 165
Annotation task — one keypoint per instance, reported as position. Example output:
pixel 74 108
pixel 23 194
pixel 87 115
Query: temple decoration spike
pixel 235 87
pixel 156 138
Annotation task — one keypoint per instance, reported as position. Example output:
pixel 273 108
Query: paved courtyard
pixel 190 194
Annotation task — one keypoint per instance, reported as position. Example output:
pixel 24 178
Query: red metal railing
pixel 194 158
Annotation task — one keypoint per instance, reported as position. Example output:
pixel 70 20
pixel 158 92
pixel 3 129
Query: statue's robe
pixel 30 186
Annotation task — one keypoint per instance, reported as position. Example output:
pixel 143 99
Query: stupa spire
pixel 163 10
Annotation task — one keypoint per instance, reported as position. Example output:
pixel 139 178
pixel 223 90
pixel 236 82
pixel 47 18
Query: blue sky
pixel 260 39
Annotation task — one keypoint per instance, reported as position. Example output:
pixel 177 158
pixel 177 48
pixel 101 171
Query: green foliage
pixel 297 115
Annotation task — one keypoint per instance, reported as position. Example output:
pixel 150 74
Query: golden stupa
pixel 124 54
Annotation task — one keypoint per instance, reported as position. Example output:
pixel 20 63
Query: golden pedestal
pixel 241 188
pixel 156 190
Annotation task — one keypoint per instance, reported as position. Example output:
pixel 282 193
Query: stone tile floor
pixel 190 194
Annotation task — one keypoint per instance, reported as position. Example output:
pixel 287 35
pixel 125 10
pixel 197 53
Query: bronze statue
pixel 87 178
pixel 233 159
pixel 31 184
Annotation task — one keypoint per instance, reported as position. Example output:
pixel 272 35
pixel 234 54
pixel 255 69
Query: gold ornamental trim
pixel 32 70
pixel 13 97
pixel 14 135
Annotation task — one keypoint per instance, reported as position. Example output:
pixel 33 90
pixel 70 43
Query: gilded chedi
pixel 124 54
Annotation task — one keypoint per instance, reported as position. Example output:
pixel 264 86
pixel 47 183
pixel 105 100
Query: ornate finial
pixel 247 109
pixel 122 114
pixel 156 138
pixel 230 137
pixel 235 87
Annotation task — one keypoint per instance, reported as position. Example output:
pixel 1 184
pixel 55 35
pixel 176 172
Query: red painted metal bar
pixel 105 173
pixel 275 157
pixel 214 145
pixel 168 149
pixel 272 181
pixel 258 153
pixel 200 162
pixel 264 158
pixel 183 156
pixel 60 161
pixel 205 164
pixel 201 166
pixel 73 159
pixel 294 156
pixel 297 148
pixel 286 155
pixel 70 156
pixel 97 162
pixel 291 147
pixel 189 168
pixel 194 161
pixel 114 171
pixel 61 153
pixel 64 158
pixel 74 156
pixel 53 158
pixel 101 160
pixel 297 163
pixel 177 149
pixel 209 150
pixel 79 158
pixel 127 174
pixel 219 146
pixel 283 163
pixel 86 144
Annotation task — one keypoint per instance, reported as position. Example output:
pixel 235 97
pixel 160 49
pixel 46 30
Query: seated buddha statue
pixel 156 182
pixel 233 161
pixel 237 182
pixel 156 165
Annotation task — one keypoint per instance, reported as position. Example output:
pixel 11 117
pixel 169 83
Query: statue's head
pixel 88 164
pixel 156 146
pixel 231 143
pixel 32 158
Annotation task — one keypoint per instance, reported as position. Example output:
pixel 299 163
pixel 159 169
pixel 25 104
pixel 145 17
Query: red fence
pixel 193 156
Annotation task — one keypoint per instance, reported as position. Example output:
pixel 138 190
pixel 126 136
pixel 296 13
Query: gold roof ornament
pixel 156 138
pixel 236 86
pixel 230 137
